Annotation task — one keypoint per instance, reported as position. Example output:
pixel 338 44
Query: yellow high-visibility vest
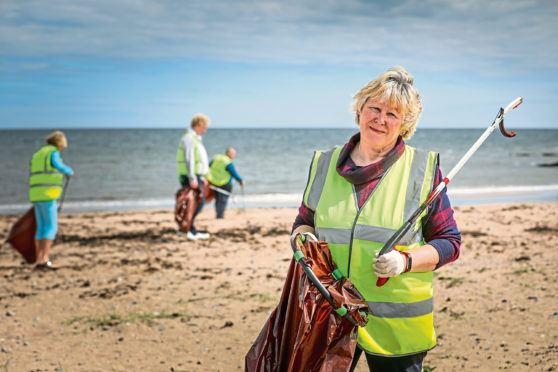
pixel 45 181
pixel 181 168
pixel 218 174
pixel 401 319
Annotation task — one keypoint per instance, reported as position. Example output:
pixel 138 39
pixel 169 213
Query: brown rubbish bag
pixel 304 333
pixel 22 236
pixel 209 194
pixel 187 200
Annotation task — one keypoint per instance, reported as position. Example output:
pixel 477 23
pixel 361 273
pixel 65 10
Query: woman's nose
pixel 382 117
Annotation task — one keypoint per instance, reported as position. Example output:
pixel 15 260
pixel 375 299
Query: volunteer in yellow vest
pixel 192 166
pixel 46 174
pixel 220 176
pixel 358 195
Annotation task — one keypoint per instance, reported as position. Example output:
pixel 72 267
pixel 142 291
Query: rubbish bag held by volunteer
pixel 304 332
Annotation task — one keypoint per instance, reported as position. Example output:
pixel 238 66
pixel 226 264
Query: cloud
pixel 434 34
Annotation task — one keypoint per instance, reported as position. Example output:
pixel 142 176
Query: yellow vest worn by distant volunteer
pixel 218 174
pixel 180 159
pixel 45 181
pixel 401 319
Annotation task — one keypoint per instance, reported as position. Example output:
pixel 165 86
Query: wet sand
pixel 132 295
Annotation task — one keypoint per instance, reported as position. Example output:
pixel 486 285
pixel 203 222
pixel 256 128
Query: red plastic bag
pixel 304 333
pixel 22 236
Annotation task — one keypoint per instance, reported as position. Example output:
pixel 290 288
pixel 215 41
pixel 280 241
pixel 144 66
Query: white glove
pixel 390 264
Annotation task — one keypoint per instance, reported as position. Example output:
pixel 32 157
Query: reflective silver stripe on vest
pixel 412 197
pixel 334 236
pixel 35 173
pixel 375 234
pixel 319 179
pixel 401 310
pixel 362 232
pixel 46 184
pixel 49 155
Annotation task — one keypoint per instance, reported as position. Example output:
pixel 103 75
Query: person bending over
pixel 220 176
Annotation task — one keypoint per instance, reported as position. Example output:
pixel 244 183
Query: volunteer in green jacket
pixel 47 171
pixel 192 166
pixel 220 176
pixel 358 195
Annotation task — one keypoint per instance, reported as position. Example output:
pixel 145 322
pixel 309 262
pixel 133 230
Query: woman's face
pixel 380 125
pixel 200 129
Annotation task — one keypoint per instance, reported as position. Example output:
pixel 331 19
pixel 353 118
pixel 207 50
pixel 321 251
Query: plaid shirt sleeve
pixel 305 217
pixel 439 227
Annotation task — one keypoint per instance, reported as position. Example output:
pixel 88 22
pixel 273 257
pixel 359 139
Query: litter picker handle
pixel 63 193
pixel 399 234
pixel 298 255
pixel 298 241
pixel 499 121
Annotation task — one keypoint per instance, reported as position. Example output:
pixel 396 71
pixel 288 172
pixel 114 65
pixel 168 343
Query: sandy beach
pixel 132 295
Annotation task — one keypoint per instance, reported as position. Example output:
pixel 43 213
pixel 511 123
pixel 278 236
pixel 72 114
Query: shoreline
pixel 538 194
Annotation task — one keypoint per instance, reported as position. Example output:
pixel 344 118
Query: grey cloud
pixel 432 32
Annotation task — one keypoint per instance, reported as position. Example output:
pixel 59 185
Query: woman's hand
pixel 390 264
pixel 306 231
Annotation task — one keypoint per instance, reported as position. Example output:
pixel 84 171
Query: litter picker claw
pixel 498 122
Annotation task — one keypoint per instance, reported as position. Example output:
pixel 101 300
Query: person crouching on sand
pixel 47 171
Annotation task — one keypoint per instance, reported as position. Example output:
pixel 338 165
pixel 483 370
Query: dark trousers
pixel 408 363
pixel 185 182
pixel 221 199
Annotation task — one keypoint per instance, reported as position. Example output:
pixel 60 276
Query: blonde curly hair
pixel 57 139
pixel 199 119
pixel 395 88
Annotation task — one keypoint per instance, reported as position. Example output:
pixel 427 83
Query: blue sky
pixel 149 63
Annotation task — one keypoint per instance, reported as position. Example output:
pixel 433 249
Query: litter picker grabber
pixel 499 121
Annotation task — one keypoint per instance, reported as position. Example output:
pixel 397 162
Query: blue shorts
pixel 46 215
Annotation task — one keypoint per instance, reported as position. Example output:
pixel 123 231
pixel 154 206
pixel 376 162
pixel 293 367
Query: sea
pixel 127 169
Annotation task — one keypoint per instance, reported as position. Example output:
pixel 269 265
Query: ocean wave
pixel 459 196
pixel 498 190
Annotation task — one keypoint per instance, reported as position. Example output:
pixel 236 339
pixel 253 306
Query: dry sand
pixel 133 296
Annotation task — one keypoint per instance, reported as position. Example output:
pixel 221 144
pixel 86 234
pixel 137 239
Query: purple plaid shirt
pixel 438 226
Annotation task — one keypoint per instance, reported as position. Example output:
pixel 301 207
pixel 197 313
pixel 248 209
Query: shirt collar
pixel 357 175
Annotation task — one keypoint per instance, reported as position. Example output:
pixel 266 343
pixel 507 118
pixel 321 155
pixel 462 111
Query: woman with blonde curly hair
pixel 358 195
pixel 47 171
